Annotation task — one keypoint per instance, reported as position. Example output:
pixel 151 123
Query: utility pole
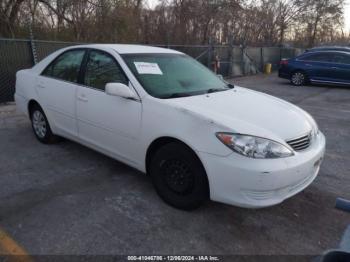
pixel 230 58
pixel 31 41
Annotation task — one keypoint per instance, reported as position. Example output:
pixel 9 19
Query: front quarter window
pixel 173 75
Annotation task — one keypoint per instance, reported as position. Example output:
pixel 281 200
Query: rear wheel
pixel 179 177
pixel 41 126
pixel 298 78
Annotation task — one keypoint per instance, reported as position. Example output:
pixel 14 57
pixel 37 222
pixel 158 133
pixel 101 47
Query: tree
pixel 322 13
pixel 241 22
pixel 9 10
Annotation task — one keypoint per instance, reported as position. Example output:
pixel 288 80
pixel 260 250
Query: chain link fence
pixel 17 54
pixel 14 55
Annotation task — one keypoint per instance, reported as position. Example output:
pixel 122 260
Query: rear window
pixel 319 57
pixel 341 59
pixel 66 66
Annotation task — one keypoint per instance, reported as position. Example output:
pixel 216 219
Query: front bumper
pixel 256 183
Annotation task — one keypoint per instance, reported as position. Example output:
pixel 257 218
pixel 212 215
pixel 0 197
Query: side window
pixel 66 66
pixel 101 68
pixel 341 59
pixel 321 57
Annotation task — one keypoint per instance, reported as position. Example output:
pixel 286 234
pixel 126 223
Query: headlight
pixel 254 147
pixel 315 131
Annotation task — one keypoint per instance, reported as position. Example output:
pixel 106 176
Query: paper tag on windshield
pixel 148 68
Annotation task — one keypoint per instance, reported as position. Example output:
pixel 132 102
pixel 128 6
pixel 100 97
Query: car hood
pixel 250 112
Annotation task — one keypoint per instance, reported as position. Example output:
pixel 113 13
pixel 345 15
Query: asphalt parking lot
pixel 68 199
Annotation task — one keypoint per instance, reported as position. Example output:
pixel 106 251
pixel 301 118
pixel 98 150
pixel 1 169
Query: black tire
pixel 179 176
pixel 41 127
pixel 298 78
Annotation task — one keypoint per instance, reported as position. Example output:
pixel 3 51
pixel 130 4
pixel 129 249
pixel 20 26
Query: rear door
pixel 341 67
pixel 318 66
pixel 57 87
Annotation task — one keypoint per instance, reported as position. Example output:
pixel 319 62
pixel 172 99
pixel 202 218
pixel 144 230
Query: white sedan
pixel 163 113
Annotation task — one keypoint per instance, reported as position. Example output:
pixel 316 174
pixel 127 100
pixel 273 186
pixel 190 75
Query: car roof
pixel 119 48
pixel 131 49
pixel 325 51
pixel 329 48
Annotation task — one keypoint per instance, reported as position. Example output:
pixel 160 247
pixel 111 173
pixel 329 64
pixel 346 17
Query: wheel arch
pixel 53 137
pixel 294 70
pixel 161 141
pixel 30 105
pixel 299 70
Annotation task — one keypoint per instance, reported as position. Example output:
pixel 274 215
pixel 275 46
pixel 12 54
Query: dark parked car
pixel 325 67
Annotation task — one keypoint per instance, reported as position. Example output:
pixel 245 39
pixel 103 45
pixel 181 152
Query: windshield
pixel 173 75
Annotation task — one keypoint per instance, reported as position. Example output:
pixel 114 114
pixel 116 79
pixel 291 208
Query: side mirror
pixel 119 89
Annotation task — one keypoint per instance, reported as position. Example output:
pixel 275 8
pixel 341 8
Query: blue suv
pixel 322 67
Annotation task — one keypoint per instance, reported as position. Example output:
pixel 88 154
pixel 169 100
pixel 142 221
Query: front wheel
pixel 298 78
pixel 179 177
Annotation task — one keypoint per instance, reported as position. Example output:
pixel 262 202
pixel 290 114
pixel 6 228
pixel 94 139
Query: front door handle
pixel 82 98
pixel 334 67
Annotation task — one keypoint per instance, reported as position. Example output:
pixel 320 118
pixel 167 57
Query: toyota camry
pixel 165 114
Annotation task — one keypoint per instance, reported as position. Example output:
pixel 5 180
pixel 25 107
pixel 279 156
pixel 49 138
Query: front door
pixel 108 122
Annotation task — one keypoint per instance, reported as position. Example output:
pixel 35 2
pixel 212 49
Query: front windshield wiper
pixel 184 94
pixel 175 95
pixel 213 90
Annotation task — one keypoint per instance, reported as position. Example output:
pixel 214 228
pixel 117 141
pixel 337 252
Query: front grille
pixel 300 143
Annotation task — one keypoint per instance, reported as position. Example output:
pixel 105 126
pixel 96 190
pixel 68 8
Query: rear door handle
pixel 334 67
pixel 83 98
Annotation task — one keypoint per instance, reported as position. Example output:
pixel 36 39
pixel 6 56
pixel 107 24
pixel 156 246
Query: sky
pixel 153 3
